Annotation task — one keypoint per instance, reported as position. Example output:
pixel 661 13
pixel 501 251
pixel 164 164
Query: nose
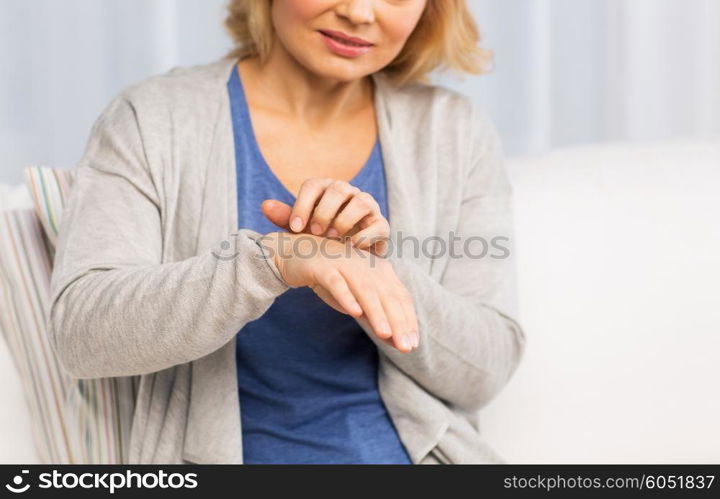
pixel 358 11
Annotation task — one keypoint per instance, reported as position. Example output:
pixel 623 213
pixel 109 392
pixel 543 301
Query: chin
pixel 332 71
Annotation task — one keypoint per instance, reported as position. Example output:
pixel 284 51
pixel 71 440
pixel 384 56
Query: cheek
pixel 399 26
pixel 298 11
pixel 402 32
pixel 294 20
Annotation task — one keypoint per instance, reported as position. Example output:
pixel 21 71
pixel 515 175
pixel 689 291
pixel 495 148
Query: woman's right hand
pixel 350 280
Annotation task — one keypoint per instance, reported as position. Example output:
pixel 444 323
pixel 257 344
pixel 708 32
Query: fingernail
pixel 406 342
pixel 384 328
pixel 415 339
pixel 332 232
pixel 296 224
pixel 315 228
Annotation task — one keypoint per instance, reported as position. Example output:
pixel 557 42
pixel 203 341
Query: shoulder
pixel 170 112
pixel 442 110
pixel 182 102
pixel 180 84
pixel 419 100
pixel 189 96
pixel 450 116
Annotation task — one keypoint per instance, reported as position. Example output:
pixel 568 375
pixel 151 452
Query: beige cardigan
pixel 153 279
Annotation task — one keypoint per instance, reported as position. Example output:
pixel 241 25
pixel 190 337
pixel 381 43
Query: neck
pixel 282 84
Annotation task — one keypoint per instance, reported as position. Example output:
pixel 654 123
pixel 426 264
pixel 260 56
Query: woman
pixel 228 242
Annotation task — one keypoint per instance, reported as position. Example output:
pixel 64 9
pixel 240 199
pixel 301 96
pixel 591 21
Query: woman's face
pixel 383 25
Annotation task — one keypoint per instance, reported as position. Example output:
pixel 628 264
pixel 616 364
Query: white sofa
pixel 16 441
pixel 618 250
pixel 619 272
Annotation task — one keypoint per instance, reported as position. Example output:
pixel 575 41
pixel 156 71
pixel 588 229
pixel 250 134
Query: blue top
pixel 307 374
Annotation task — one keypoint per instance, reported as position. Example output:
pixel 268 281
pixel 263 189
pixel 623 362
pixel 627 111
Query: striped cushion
pixel 74 421
pixel 14 197
pixel 49 189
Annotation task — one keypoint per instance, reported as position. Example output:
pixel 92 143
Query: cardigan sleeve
pixel 470 340
pixel 116 309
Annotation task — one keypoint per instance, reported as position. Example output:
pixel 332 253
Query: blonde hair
pixel 446 37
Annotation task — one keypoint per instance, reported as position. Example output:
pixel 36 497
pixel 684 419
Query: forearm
pixel 468 349
pixel 128 321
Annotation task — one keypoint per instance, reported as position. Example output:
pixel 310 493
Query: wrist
pixel 280 248
pixel 272 248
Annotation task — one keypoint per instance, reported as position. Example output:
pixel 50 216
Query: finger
pixel 335 283
pixel 388 341
pixel 335 195
pixel 372 307
pixel 332 233
pixel 376 232
pixel 357 209
pixel 410 315
pixel 396 316
pixel 363 319
pixel 277 212
pixel 380 248
pixel 328 298
pixel 310 192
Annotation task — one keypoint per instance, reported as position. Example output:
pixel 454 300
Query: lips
pixel 350 41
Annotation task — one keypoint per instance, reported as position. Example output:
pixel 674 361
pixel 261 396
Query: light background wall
pixel 566 71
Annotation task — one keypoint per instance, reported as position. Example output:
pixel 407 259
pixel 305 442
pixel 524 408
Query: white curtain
pixel 62 61
pixel 572 71
pixel 566 71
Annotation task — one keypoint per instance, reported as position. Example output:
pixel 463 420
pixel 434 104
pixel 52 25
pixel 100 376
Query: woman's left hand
pixel 336 209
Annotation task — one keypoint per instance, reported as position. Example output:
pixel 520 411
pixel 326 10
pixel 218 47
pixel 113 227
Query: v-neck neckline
pixel 216 437
pixel 247 118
